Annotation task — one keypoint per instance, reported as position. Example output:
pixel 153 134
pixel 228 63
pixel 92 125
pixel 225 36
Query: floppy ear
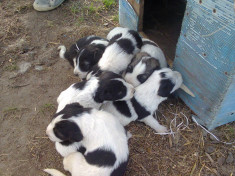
pixel 98 54
pixel 102 94
pixel 165 88
pixel 142 77
pixel 68 131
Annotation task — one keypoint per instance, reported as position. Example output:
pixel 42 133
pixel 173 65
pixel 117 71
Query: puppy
pixel 144 63
pixel 84 54
pixel 119 52
pixel 102 139
pixel 92 93
pixel 146 99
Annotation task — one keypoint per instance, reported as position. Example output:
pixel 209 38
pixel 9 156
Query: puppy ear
pixel 142 77
pixel 68 131
pixel 165 88
pixel 98 54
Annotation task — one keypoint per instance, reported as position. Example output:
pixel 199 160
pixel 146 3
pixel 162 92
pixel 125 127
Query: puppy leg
pixel 64 150
pixel 153 123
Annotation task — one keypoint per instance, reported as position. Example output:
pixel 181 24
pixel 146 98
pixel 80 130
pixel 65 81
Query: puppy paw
pixel 129 135
pixel 61 47
pixel 161 129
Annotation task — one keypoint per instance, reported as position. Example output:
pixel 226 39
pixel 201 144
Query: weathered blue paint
pixel 205 56
pixel 127 16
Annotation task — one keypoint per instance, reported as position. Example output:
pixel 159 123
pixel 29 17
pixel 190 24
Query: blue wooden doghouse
pixel 205 55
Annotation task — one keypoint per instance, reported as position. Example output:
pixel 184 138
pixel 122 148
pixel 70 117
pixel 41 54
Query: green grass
pixel 91 8
pixel 11 67
pixel 116 18
pixel 108 3
pixel 75 8
pixel 47 108
pixel 11 110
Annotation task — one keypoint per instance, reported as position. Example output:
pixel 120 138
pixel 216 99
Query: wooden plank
pixel 205 56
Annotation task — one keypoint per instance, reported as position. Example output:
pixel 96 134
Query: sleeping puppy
pixel 92 93
pixel 119 52
pixel 84 54
pixel 144 63
pixel 146 99
pixel 102 139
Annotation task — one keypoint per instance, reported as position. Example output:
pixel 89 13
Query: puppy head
pixel 87 57
pixel 64 127
pixel 112 87
pixel 141 68
pixel 169 82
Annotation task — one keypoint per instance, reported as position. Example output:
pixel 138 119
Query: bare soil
pixel 28 99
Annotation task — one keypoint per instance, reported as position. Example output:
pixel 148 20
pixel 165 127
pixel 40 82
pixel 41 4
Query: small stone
pixel 106 24
pixel 229 158
pixel 221 160
pixel 23 67
pixel 210 149
pixel 39 68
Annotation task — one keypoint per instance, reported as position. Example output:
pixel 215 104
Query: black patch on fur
pixel 140 110
pixel 71 110
pixel 122 107
pixel 66 143
pixel 126 45
pixel 150 43
pixel 115 37
pixel 80 85
pixel 120 170
pixel 67 131
pixel 89 56
pixel 143 77
pixel 163 74
pixel 81 149
pixel 165 88
pixel 137 38
pixel 129 69
pixel 110 90
pixel 73 50
pixel 95 71
pixel 101 158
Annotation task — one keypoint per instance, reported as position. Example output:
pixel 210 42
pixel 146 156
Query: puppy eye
pixel 142 78
pixel 129 69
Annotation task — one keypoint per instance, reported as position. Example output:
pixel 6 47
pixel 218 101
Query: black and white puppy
pixel 150 58
pixel 119 52
pixel 102 139
pixel 146 99
pixel 84 54
pixel 97 90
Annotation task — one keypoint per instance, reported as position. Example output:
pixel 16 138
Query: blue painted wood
pixel 205 56
pixel 127 16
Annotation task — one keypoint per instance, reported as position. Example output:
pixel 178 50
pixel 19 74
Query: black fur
pixel 163 74
pixel 115 37
pixel 129 69
pixel 89 56
pixel 140 111
pixel 122 107
pixel 120 170
pixel 81 149
pixel 67 131
pixel 110 91
pixel 71 110
pixel 137 38
pixel 101 157
pixel 126 45
pixel 165 88
pixel 66 143
pixel 80 85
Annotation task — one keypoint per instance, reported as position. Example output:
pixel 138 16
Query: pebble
pixel 229 158
pixel 221 160
pixel 210 149
pixel 39 68
pixel 23 67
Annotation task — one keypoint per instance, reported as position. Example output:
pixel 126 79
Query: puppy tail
pixel 62 49
pixel 54 172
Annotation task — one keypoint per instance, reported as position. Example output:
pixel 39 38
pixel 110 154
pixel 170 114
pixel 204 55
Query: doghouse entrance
pixel 162 20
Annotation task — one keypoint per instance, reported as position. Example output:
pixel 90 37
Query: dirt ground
pixel 32 76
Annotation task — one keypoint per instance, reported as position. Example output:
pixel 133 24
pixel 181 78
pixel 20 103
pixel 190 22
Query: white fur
pixel 155 52
pixel 115 59
pixel 62 49
pixel 85 97
pixel 146 95
pixel 100 130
